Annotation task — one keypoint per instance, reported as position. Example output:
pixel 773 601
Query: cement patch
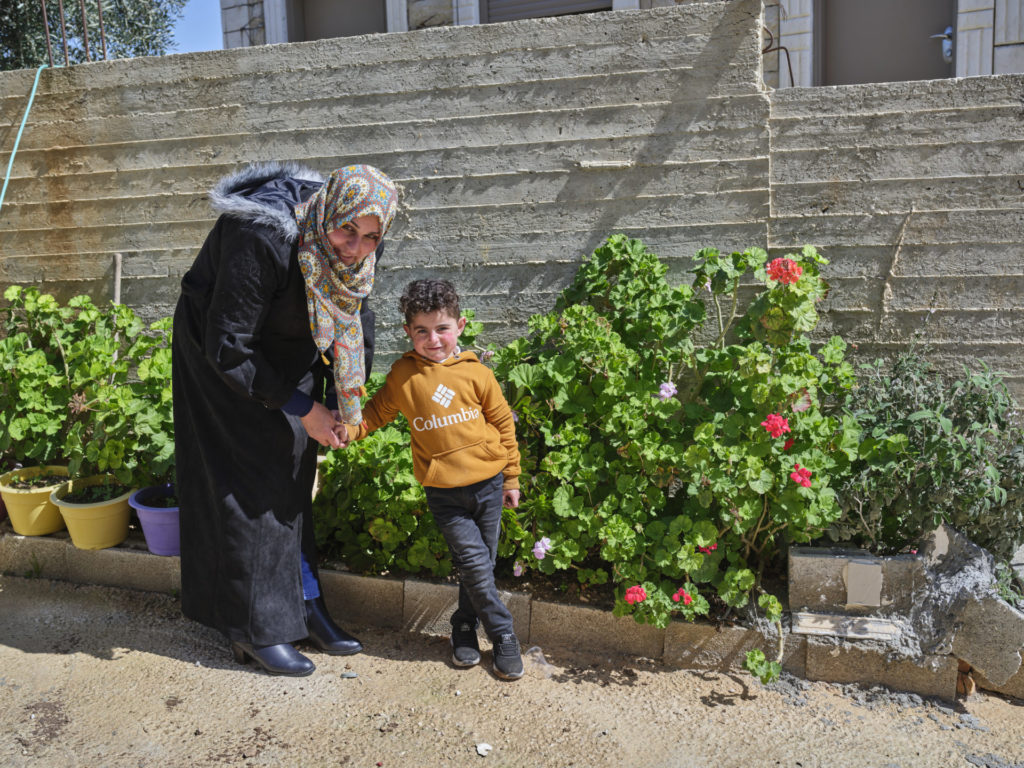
pixel 1012 687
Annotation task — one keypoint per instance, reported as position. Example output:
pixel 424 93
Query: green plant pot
pixel 94 525
pixel 31 511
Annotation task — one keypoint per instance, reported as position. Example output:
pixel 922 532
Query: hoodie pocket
pixel 466 464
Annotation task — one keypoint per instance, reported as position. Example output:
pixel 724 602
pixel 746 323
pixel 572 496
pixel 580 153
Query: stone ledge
pixel 354 599
pixel 429 606
pixel 702 646
pixel 846 662
pixel 586 628
pixel 422 606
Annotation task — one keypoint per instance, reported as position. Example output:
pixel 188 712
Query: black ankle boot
pixel 325 634
pixel 280 659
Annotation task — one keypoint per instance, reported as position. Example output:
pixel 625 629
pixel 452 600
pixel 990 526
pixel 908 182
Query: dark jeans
pixel 470 519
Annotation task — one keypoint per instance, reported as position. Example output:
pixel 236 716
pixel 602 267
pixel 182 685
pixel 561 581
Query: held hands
pixel 324 426
pixel 340 429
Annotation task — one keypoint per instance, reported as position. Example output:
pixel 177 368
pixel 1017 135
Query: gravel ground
pixel 94 676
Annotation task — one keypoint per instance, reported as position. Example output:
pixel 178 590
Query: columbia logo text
pixel 461 416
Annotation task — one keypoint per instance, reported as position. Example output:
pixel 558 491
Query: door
pixel 881 41
pixel 343 18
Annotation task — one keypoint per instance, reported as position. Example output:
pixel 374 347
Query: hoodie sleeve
pixel 247 275
pixel 496 411
pixel 380 410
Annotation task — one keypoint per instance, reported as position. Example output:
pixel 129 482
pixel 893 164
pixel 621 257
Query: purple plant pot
pixel 159 524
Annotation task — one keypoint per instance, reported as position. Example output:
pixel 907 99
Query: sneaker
pixel 465 647
pixel 508 664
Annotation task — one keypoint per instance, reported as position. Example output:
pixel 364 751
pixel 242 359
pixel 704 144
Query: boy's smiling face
pixel 434 335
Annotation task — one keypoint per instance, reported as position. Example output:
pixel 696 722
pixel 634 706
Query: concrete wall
pixel 916 193
pixel 521 146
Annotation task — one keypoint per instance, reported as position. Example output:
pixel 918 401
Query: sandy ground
pixel 93 676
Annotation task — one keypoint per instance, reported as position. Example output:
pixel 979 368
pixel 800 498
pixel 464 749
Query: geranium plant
pixel 672 460
pixel 86 385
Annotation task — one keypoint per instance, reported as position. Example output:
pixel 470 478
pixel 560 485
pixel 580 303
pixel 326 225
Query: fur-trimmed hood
pixel 266 193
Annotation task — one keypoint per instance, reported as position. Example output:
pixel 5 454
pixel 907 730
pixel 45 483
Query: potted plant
pixel 34 395
pixel 26 495
pixel 118 374
pixel 156 504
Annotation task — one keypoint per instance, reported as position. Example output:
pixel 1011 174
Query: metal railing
pixel 64 33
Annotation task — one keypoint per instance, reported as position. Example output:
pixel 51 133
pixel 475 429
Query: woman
pixel 275 295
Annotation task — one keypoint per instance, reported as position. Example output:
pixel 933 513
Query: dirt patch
pixel 150 689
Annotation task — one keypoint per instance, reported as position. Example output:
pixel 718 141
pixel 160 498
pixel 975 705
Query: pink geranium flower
pixel 667 390
pixel 682 594
pixel 801 476
pixel 635 594
pixel 776 424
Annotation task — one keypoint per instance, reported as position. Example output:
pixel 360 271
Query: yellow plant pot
pixel 95 525
pixel 31 511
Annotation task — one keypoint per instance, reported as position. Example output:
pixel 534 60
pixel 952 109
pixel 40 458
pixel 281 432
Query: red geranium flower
pixel 785 271
pixel 682 594
pixel 776 424
pixel 801 476
pixel 635 594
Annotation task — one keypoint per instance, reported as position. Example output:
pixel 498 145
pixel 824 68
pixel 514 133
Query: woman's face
pixel 354 240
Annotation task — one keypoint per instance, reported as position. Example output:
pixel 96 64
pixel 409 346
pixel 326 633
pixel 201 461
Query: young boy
pixel 465 455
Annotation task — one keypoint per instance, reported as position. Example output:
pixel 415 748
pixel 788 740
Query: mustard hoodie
pixel 462 428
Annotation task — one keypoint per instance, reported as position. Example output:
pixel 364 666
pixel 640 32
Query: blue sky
pixel 199 29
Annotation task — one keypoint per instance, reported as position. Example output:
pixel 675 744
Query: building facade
pixel 807 42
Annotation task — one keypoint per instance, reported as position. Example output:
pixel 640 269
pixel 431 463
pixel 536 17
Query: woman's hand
pixel 510 498
pixel 319 424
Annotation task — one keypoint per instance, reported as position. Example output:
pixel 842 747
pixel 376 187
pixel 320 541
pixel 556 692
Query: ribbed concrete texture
pixel 579 626
pixel 914 192
pixel 522 145
pixel 363 599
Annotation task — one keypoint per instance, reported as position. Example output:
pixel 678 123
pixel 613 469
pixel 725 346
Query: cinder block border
pixel 416 605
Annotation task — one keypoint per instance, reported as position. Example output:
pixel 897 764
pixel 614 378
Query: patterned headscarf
pixel 335 292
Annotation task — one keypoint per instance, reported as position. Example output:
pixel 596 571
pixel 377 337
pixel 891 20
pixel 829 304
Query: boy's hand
pixel 340 430
pixel 510 498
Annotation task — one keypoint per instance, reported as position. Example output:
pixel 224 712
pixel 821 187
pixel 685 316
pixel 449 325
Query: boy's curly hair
pixel 429 295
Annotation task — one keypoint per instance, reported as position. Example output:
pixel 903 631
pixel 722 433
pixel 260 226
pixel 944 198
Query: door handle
pixel 947 44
